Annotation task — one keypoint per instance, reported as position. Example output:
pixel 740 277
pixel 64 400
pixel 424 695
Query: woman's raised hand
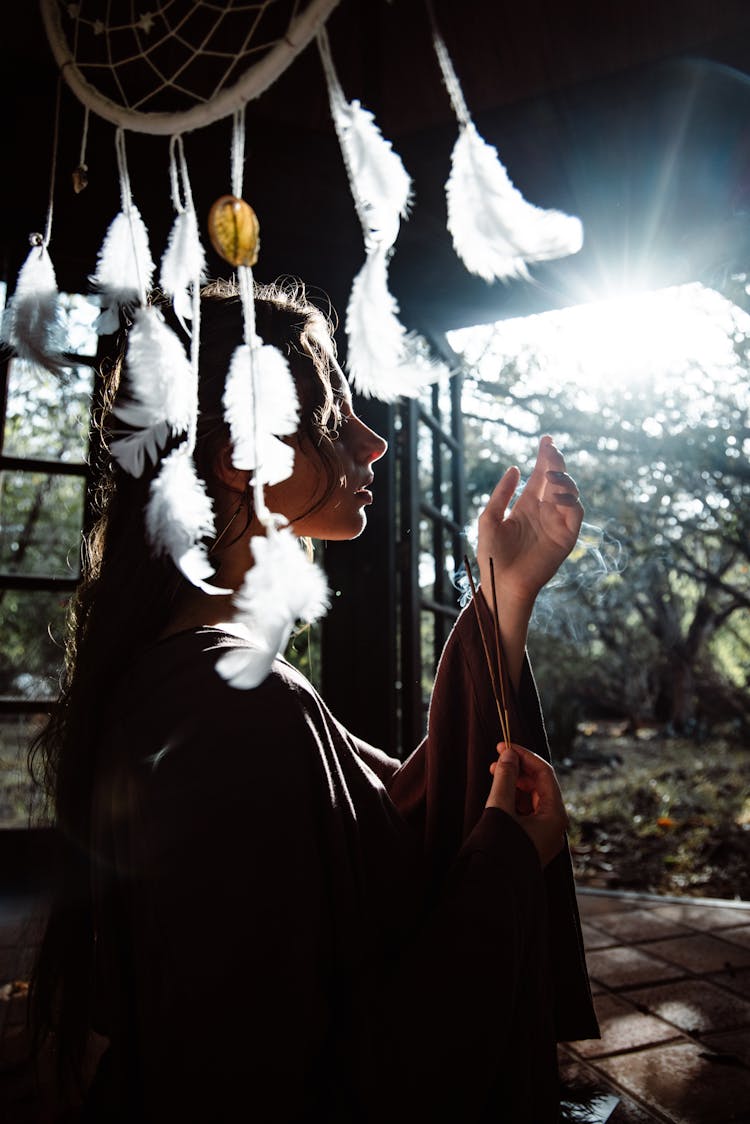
pixel 525 786
pixel 529 543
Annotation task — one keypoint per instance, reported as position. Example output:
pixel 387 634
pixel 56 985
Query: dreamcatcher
pixel 140 71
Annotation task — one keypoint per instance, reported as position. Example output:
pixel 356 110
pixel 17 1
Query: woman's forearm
pixel 514 615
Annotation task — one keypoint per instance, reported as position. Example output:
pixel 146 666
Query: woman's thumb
pixel 505 777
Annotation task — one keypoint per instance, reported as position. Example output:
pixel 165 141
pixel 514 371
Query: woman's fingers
pixel 548 458
pixel 504 780
pixel 501 496
pixel 561 483
pixel 525 786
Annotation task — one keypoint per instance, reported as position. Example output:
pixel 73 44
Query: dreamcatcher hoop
pixel 254 81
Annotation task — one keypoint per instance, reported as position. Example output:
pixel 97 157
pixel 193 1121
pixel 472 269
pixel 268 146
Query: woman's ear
pixel 236 479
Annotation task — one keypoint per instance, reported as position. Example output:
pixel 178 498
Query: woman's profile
pixel 265 917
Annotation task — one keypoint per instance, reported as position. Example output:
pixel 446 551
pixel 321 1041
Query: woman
pixel 267 918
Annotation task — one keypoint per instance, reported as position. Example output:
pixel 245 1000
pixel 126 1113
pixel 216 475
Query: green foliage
pixel 41 512
pixel 650 617
pixel 303 651
pixel 665 816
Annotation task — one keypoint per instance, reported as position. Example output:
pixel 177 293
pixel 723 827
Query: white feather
pixel 179 514
pixel 282 587
pixel 183 264
pixel 161 388
pixel 32 323
pixel 381 184
pixel 124 268
pixel 383 357
pixel 495 231
pixel 260 406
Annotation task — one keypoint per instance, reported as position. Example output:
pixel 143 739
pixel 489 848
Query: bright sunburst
pixel 643 340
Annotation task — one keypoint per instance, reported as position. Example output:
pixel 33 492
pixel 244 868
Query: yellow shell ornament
pixel 234 230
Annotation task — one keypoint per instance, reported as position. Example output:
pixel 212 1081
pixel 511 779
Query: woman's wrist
pixel 514 614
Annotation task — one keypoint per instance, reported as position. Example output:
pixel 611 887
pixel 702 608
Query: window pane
pixel 78 316
pixel 20 801
pixel 40 524
pixel 31 635
pixel 47 415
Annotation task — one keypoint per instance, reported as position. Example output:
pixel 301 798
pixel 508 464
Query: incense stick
pixel 501 711
pixel 499 650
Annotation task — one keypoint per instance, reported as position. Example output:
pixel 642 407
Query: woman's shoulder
pixel 227 657
pixel 177 725
pixel 189 680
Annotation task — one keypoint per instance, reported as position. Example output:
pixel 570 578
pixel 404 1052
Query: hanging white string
pixel 124 266
pixel 179 514
pixel 183 265
pixel 383 359
pixel 495 231
pixel 84 137
pixel 261 406
pixel 238 151
pixel 260 398
pixel 80 177
pixel 80 174
pixel 131 212
pixel 455 93
pixel 32 322
pixel 247 297
pixel 53 166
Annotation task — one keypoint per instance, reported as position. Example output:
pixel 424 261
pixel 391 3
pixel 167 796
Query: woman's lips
pixel 364 492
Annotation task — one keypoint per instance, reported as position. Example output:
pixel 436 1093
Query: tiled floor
pixel 671 982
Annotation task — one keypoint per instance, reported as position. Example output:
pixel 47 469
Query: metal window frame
pixel 42 582
pixel 446 435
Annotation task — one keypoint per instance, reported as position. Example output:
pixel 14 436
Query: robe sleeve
pixel 441 789
pixel 468 1032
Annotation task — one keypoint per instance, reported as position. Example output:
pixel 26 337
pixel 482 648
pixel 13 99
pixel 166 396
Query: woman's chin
pixel 346 531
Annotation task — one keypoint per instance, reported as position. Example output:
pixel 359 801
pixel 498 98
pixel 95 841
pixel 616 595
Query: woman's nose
pixel 377 446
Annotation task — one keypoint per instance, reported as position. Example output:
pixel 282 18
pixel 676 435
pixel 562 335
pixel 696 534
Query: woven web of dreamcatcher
pixel 181 64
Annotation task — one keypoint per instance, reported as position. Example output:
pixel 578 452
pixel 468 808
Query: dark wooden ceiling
pixel 634 116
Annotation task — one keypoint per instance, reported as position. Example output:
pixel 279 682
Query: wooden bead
pixel 234 230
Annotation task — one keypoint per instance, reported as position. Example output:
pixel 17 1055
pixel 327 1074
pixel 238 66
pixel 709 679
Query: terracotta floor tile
pixel 639 925
pixel 628 967
pixel 701 953
pixel 707 917
pixel 627 1111
pixel 681 1081
pixel 694 1006
pixel 595 938
pixel 737 936
pixel 731 1042
pixel 623 1028
pixel 739 982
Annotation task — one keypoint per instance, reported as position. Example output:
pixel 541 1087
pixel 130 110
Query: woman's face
pixel 343 515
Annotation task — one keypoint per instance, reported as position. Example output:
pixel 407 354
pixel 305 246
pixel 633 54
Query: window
pixel 431 536
pixel 44 435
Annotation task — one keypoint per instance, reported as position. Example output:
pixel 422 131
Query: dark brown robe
pixel 293 926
